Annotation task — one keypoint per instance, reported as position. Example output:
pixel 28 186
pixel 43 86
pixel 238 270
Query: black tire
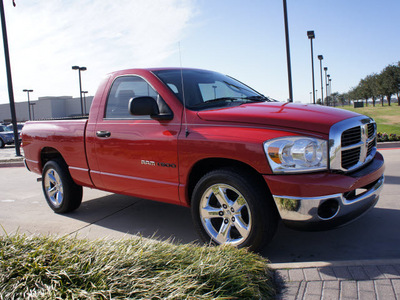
pixel 2 144
pixel 61 192
pixel 249 219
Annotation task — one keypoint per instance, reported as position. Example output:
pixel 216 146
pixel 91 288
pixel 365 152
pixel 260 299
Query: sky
pixel 243 39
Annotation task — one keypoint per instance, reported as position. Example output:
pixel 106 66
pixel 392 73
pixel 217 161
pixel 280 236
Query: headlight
pixel 296 154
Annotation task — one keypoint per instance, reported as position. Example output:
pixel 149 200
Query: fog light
pixel 328 209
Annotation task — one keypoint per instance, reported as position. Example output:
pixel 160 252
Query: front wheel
pixel 2 144
pixel 229 207
pixel 61 192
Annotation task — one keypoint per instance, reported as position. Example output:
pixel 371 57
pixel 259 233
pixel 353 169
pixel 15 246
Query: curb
pixel 344 263
pixel 388 145
pixel 12 162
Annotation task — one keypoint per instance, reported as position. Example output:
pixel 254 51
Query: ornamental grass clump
pixel 70 268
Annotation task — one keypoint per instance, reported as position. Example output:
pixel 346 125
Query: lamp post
pixel 215 91
pixel 326 81
pixel 80 83
pixel 33 111
pixel 310 97
pixel 329 82
pixel 320 57
pixel 29 102
pixel 316 94
pixel 289 68
pixel 311 36
pixel 84 100
pixel 328 94
pixel 330 91
pixel 9 78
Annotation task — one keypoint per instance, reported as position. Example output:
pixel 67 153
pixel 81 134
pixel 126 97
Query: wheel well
pixel 207 165
pixel 48 154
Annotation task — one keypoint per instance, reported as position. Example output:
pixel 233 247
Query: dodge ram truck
pixel 200 139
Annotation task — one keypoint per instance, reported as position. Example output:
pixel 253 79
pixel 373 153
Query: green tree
pixel 365 90
pixel 373 83
pixel 342 98
pixel 380 92
pixel 353 94
pixel 390 84
pixel 378 86
pixel 397 79
pixel 334 98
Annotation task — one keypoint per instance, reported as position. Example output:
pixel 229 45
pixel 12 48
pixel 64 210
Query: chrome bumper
pixel 325 212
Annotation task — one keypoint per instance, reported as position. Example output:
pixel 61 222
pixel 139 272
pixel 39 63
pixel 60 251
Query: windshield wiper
pixel 242 100
pixel 222 99
pixel 256 98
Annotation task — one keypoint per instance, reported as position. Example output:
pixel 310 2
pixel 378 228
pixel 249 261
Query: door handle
pixel 103 134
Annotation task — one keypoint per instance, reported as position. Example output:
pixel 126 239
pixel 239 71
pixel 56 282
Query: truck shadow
pixel 134 216
pixel 374 236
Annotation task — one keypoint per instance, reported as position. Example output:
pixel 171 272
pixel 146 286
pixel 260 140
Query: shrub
pixel 70 268
pixel 384 137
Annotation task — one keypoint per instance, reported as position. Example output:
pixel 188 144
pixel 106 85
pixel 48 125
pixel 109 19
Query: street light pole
pixel 289 68
pixel 29 102
pixel 84 100
pixel 326 83
pixel 311 36
pixel 9 79
pixel 320 57
pixel 33 110
pixel 80 83
pixel 328 93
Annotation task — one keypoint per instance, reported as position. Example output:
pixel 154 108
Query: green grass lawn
pixel 387 118
pixel 40 267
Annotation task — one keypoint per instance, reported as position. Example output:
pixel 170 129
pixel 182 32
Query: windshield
pixel 3 128
pixel 206 89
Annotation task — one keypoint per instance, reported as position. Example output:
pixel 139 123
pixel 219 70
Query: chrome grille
pixel 350 157
pixel 352 143
pixel 371 146
pixel 351 136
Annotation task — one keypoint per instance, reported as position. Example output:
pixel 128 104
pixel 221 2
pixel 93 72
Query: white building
pixel 46 108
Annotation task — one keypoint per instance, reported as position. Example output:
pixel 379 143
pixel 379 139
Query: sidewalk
pixel 338 280
pixel 8 157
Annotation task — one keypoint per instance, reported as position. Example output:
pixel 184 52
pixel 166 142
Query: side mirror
pixel 147 106
pixel 143 106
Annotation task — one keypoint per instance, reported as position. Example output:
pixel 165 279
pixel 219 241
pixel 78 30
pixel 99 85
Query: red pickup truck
pixel 204 140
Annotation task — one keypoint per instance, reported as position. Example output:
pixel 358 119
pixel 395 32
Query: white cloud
pixel 46 38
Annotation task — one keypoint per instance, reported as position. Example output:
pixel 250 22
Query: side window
pixel 122 90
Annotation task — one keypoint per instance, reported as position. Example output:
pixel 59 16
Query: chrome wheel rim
pixel 225 214
pixel 53 187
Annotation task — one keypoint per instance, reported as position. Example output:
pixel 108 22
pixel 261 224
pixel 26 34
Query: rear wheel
pixel 2 144
pixel 61 192
pixel 229 207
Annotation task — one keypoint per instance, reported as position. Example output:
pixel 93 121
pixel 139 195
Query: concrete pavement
pixel 340 280
pixel 359 266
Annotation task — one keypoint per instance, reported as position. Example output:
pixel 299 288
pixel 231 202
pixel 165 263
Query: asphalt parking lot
pixel 106 215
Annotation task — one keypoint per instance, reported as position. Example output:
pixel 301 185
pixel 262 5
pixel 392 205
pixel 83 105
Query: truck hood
pixel 283 115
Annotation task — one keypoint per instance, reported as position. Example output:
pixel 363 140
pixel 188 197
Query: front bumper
pixel 313 206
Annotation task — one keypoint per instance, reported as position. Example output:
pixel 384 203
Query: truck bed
pixel 62 136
